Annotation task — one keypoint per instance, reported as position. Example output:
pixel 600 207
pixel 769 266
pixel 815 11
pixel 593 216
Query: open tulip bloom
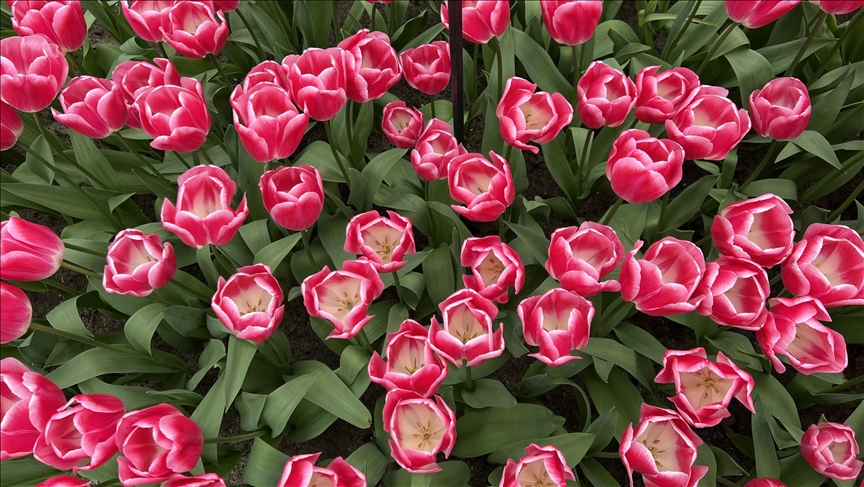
pixel 343 296
pixel 419 428
pixel 466 337
pixel 411 364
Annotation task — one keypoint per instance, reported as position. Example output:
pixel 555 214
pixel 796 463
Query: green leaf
pixel 265 465
pixel 781 55
pixel 91 159
pixel 640 341
pixel 331 394
pixel 209 415
pixel 602 428
pixel 240 353
pixel 595 473
pixel 726 465
pixel 65 317
pixel 488 430
pixel 375 172
pixel 280 404
pixel 213 353
pixel 814 143
pixel 796 472
pixel 776 399
pixel 706 458
pixel 624 357
pixel 573 445
pixel 425 38
pixel 25 472
pixel 737 347
pixel 452 474
pixel 275 253
pixel 140 327
pixel 488 393
pixel 685 206
pixel 619 394
pixel 538 64
pixel 99 361
pixel 783 188
pixel 41 147
pixel 828 106
pixel 537 243
pixel 763 443
pixel 207 267
pixel 559 167
pixel 438 270
pixel 369 460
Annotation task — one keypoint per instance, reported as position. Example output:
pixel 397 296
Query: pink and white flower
pixel 467 333
pixel 411 364
pixel 383 241
pixel 558 322
pixel 495 267
pixel 419 428
pixel 343 296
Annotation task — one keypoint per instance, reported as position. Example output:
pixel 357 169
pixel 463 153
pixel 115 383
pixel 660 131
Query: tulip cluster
pixel 193 29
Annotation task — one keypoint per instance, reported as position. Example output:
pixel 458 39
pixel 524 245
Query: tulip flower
pixel 145 17
pixel 495 267
pixel 15 312
pixel 300 471
pixel 411 364
pixel 318 81
pixel 29 400
pixel 642 168
pixel 32 72
pixel 93 107
pixel 467 334
pixel 155 443
pixel 11 127
pixel 175 116
pixel 138 263
pixel 764 482
pixel 137 78
pixel 828 263
pixel 249 303
pixel 662 448
pixel 401 125
pixel 372 65
pixel 203 213
pixel 571 22
pixel 758 229
pixel 838 7
pixel 755 14
pixel 203 480
pixel 527 116
pixel 541 466
pixel 224 5
pixel 484 186
pixel 294 196
pixel 427 67
pixel 831 449
pixel 28 251
pixel 419 428
pixel 606 96
pixel 781 109
pixel 81 430
pixel 267 72
pixel 343 296
pixel 382 241
pixel 269 125
pixel 435 148
pixel 193 29
pixel 708 126
pixel 65 481
pixel 580 256
pixel 663 282
pixel 733 293
pixel 704 388
pixel 558 322
pixel 61 22
pixel 661 95
pixel 794 329
pixel 481 19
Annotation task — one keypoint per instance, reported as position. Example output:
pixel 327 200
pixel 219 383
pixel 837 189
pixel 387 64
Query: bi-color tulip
pixel 28 251
pixel 93 107
pixel 559 322
pixel 401 125
pixel 343 296
pixel 571 22
pixel 733 292
pixel 580 256
pixel 419 429
pixel 466 336
pixel 435 148
pixel 543 466
pixel 194 29
pixel 709 126
pixel 781 109
pixel 32 72
pixel 838 7
pixel 661 95
pixel 318 81
pixel 269 125
pixel 65 481
pixel 427 67
pixel 664 280
pixel 642 168
pixel 759 13
pixel 203 480
pixel 175 116
pixel 145 17
pixel 249 303
pixel 527 115
pixel 15 312
pixel 484 186
pixel 495 267
pixel 831 449
pixel 138 263
pixel 606 96
pixel 294 196
pixel 383 241
pixel 61 22
pixel 137 78
pixel 411 364
pixel 481 19
pixel 758 229
pixel 372 66
pixel 300 471
pixel 11 127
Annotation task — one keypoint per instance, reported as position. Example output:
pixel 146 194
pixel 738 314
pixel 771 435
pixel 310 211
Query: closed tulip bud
pixel 484 186
pixel 467 333
pixel 427 67
pixel 249 303
pixel 709 126
pixel 32 72
pixel 558 322
pixel 661 95
pixel 372 65
pixel 294 196
pixel 545 464
pixel 318 81
pixel 527 116
pixel 193 30
pixel 61 22
pixel 758 13
pixel 838 7
pixel 831 449
pixel 203 214
pixel 343 296
pixel 383 241
pixel 29 400
pixel 203 480
pixel 606 96
pixel 781 109
pixel 828 263
pixel 155 443
pixel 764 482
pixel 435 148
pixel 495 268
pixel 138 263
pixel 93 107
pixel 758 229
pixel 137 78
pixel 145 17
pixel 580 256
pixel 571 22
pixel 419 428
pixel 15 312
pixel 269 125
pixel 733 293
pixel 175 116
pixel 28 251
pixel 11 127
pixel 411 364
pixel 663 282
pixel 794 328
pixel 401 125
pixel 300 471
pixel 65 481
pixel 642 168
pixel 481 19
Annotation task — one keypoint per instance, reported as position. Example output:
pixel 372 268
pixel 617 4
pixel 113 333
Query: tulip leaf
pixel 737 347
pixel 682 209
pixel 452 474
pixel 706 458
pixel 280 404
pixel 240 353
pixel 265 465
pixel 23 472
pixel 93 161
pixel 776 399
pixel 139 328
pixel 213 353
pixel 274 254
pixel 538 64
pixel 763 443
pixel 210 412
pixel 640 341
pixel 99 361
pixel 488 393
pixel 827 107
pixel 781 55
pixel 491 429
pixel 331 394
pixel 318 155
pixel 375 172
pixel 797 472
pixel 752 71
pixel 574 446
pixel 815 143
pixel 438 270
pixel 559 167
pixel 537 243
pixel 618 394
pixel 331 233
pixel 595 473
pixel 784 188
pixel 369 460
pixel 65 317
pixel 624 357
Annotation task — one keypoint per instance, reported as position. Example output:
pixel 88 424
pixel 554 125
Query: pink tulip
pixel 155 443
pixel 372 65
pixel 571 22
pixel 580 256
pixel 65 481
pixel 15 312
pixel 838 7
pixel 267 72
pixel 831 449
pixel 269 125
pixel 495 267
pixel 224 5
pixel 411 364
pixel 708 126
pixel 138 263
pixel 703 388
pixel 758 13
pixel 318 81
pixel 733 293
pixel 828 263
pixel 81 430
pixel 663 282
pixel 543 466
pixel 527 116
pixel 758 229
pixel 764 482
pixel 427 67
pixel 145 17
pixel 662 448
pixel 193 29
pixel 343 296
pixel 137 78
pixel 300 471
pixel 383 241
pixel 29 400
pixel 606 96
pixel 435 149
pixel 175 116
pixel 203 213
pixel 249 303
pixel 781 109
pixel 660 96
pixel 642 168
pixel 294 196
pixel 401 125
pixel 28 251
pixel 467 334
pixel 203 480
pixel 484 186
pixel 11 127
pixel 93 107
pixel 558 322
pixel 61 22
pixel 32 72
pixel 481 19
pixel 419 428
pixel 794 329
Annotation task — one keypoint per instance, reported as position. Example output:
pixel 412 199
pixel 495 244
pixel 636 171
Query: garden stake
pixel 454 12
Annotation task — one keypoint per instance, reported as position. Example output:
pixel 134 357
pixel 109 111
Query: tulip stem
pixel 500 62
pixel 80 270
pixel 605 454
pixel 73 336
pixel 261 55
pixel 304 235
pixel 218 66
pixel 432 104
pixel 363 340
pixel 398 287
pixel 729 28
pixel 769 156
pixel 576 71
pixel 206 156
pixel 372 17
pixel 469 382
pixel 839 211
pixel 70 57
pixel 819 21
pixel 161 49
pixel 141 158
pixel 612 211
pixel 336 153
pixel 663 206
pixel 678 37
pixel 502 227
pixel 183 160
pixel 235 439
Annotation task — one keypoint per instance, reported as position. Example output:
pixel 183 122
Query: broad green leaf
pixel 265 465
pixel 783 188
pixel 619 394
pixel 776 399
pixel 438 270
pixel 686 205
pixel 240 353
pixel 624 357
pixel 25 472
pixel 488 430
pixel 781 55
pixel 65 317
pixel 763 443
pixel 369 460
pixel 573 445
pixel 99 361
pixel 331 394
pixel 488 393
pixel 537 243
pixel 538 64
pixel 706 458
pixel 559 167
pixel 92 160
pixel 827 107
pixel 213 353
pixel 814 143
pixel 275 253
pixel 140 327
pixel 209 415
pixel 375 172
pixel 41 147
pixel 602 428
pixel 640 341
pixel 452 474
pixel 595 473
pixel 796 472
pixel 280 404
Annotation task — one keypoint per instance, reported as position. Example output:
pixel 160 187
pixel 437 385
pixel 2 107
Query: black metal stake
pixel 454 14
